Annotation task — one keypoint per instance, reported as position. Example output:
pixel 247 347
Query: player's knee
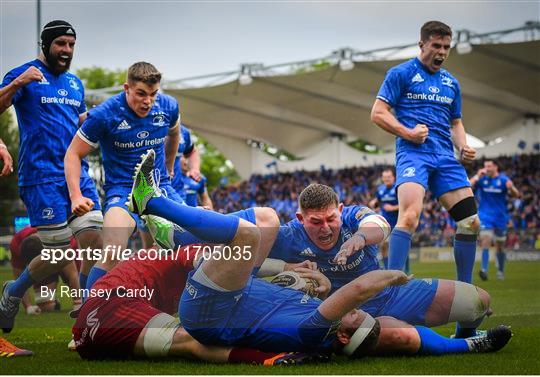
pixel 465 214
pixel 92 220
pixel 470 303
pixel 409 220
pixel 55 236
pixel 266 217
pixel 248 233
pixel 485 298
pixel 160 334
pixel 92 239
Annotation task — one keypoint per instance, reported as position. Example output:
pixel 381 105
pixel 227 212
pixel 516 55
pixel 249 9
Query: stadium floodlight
pixel 464 48
pixel 245 75
pixel 345 59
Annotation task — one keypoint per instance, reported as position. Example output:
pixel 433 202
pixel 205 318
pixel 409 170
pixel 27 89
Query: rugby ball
pixel 293 280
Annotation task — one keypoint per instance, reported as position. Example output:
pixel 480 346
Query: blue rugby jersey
pixel 492 194
pixel 388 195
pixel 421 97
pixel 124 136
pixel 48 117
pixel 184 149
pixel 294 246
pixel 192 189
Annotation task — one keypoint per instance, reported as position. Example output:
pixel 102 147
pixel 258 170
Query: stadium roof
pixel 300 112
pixel 500 84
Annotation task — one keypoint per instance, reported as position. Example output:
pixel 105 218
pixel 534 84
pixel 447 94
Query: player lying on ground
pixel 342 241
pixel 223 304
pixel 129 314
pixel 492 189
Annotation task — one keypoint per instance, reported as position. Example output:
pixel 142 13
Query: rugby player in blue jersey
pixel 386 199
pixel 124 127
pixel 492 188
pixel 189 152
pixel 426 100
pixel 138 120
pixel 223 304
pixel 49 101
pixel 342 243
pixel 195 193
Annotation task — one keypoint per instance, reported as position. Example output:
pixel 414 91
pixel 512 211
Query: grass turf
pixel 516 302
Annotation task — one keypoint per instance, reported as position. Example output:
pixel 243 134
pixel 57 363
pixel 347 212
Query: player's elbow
pixel 363 290
pixel 375 115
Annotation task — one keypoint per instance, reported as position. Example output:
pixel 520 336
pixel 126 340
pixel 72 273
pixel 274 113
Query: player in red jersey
pixel 129 314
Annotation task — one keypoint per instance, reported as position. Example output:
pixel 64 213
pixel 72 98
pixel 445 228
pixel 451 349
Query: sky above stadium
pixel 189 38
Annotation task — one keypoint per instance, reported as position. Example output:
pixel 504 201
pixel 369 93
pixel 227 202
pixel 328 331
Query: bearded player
pixel 49 101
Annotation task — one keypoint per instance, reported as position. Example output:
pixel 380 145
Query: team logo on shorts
pixel 63 92
pixel 47 213
pixel 114 200
pixel 409 172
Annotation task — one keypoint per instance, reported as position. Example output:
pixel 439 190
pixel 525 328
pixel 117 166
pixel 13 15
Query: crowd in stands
pixel 357 186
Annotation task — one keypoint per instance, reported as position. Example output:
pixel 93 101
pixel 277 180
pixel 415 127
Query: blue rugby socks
pixel 485 259
pixel 465 254
pixel 21 285
pixel 435 344
pixel 93 276
pixel 206 225
pixel 501 259
pixel 399 246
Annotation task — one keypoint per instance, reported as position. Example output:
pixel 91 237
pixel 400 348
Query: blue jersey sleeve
pixel 281 244
pixel 456 105
pixel 392 87
pixel 82 107
pixel 175 114
pixel 202 186
pixel 353 215
pixel 187 144
pixel 92 130
pixel 8 78
pixel 378 195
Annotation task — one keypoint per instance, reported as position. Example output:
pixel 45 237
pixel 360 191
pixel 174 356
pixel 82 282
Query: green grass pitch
pixel 516 302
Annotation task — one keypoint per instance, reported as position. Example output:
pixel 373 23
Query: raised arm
pixel 8 91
